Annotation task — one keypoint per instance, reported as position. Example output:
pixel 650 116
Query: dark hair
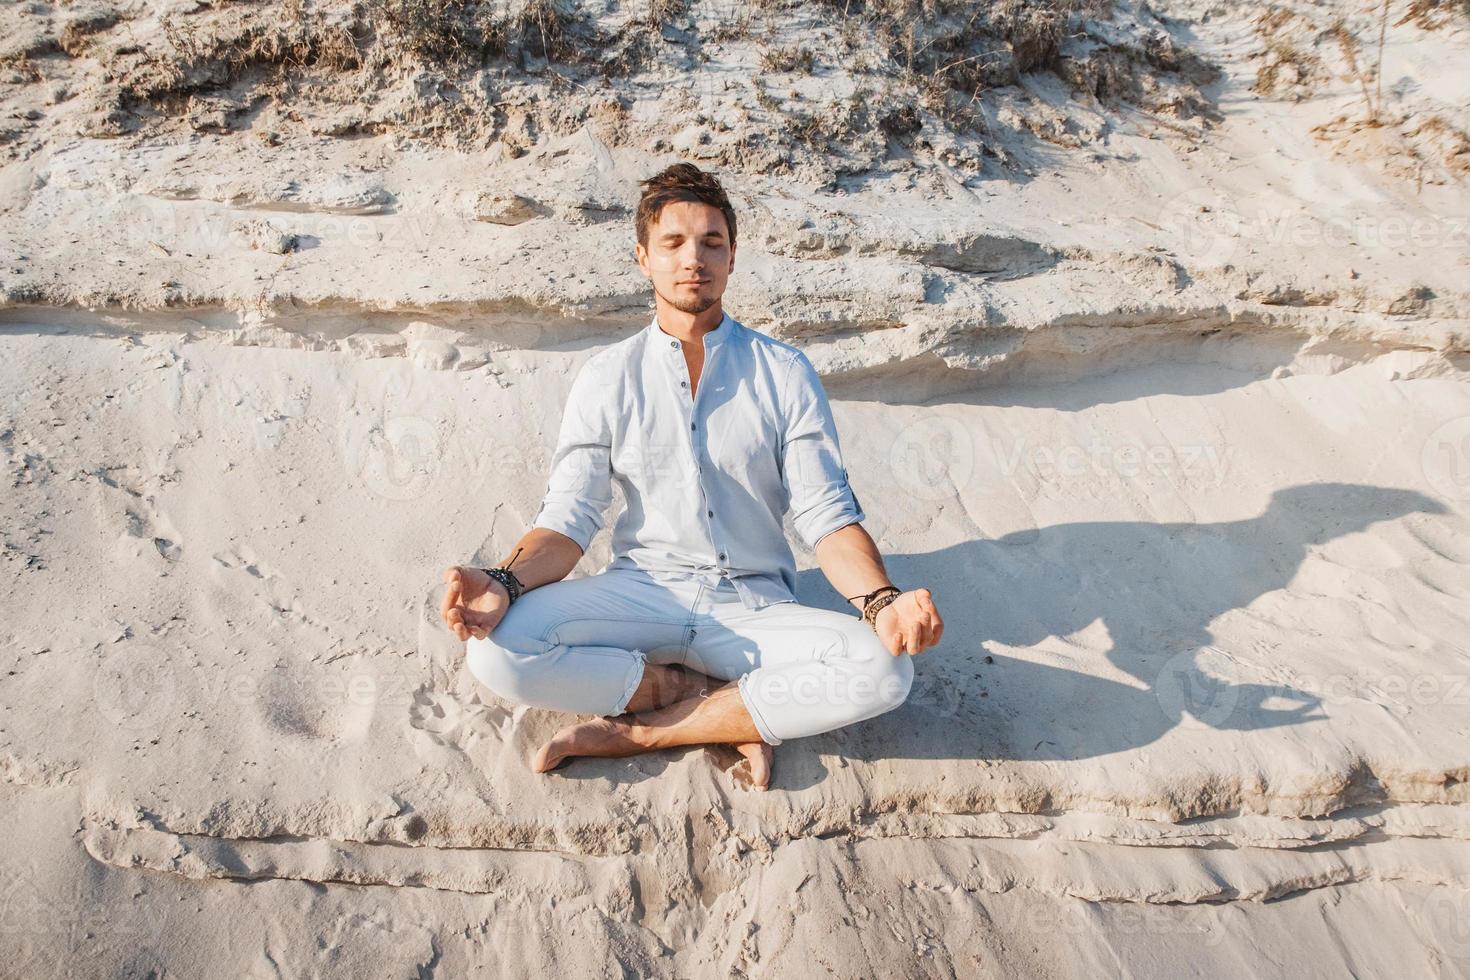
pixel 680 182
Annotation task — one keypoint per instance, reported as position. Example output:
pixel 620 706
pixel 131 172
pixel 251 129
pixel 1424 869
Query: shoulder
pixel 765 344
pixel 797 383
pixel 611 363
pixel 788 362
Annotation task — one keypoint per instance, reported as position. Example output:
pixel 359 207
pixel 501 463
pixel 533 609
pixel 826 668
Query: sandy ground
pixel 1175 425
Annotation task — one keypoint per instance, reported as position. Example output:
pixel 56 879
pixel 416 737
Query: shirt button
pixel 722 556
pixel 693 425
pixel 709 513
pixel 683 384
pixel 673 343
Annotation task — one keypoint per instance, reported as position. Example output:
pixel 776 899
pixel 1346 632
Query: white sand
pixel 1191 487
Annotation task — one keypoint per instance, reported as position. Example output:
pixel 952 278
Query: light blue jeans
pixel 580 645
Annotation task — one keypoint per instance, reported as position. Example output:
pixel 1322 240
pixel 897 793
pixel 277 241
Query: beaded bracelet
pixel 507 578
pixel 875 601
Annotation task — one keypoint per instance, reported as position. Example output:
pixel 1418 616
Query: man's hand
pixel 910 623
pixel 473 602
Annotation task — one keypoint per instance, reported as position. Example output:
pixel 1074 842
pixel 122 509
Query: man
pixel 693 633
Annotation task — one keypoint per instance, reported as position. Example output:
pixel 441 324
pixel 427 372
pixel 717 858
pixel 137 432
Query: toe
pixel 758 755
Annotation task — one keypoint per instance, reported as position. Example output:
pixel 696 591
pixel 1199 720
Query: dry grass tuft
pixel 1431 15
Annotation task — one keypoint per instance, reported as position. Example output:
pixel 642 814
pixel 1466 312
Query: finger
pixel 926 634
pixel 450 595
pixel 478 622
pixel 454 578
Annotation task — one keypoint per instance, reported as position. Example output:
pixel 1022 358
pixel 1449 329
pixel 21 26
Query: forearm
pixel 545 556
pixel 850 560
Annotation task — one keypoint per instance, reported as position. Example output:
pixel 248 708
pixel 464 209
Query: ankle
pixel 640 733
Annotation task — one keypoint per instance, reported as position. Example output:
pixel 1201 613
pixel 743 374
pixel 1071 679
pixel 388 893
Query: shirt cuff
pixel 576 522
pixel 831 515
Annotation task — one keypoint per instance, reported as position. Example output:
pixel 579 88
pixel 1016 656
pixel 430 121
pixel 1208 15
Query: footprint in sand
pixel 457 721
pixel 145 528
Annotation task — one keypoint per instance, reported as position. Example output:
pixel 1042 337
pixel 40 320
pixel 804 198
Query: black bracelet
pixel 507 578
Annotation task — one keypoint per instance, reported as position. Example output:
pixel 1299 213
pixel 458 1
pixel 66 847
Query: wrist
pixel 877 601
pixel 504 581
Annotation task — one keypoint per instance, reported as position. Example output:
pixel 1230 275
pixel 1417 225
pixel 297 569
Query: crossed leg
pixel 719 718
pixel 611 644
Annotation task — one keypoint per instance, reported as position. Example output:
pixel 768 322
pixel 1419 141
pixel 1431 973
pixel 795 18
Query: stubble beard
pixel 697 304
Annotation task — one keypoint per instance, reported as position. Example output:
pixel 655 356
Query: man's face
pixel 689 257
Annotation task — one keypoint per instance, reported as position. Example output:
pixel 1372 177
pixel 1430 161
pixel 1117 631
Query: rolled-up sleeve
pixel 579 489
pixel 820 499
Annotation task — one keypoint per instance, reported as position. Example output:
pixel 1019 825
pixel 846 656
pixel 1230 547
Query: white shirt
pixel 707 479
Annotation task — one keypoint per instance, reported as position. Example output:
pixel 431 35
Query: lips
pixel 693 282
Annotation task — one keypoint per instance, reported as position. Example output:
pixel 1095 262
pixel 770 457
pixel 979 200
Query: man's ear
pixel 641 255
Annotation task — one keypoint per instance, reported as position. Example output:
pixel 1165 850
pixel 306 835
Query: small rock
pixel 266 236
pixel 502 209
pixel 1413 301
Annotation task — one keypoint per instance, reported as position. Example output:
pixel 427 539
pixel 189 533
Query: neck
pixel 687 326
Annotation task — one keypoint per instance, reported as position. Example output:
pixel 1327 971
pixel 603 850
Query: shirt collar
pixel 712 339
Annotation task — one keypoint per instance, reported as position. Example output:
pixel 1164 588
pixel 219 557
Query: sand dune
pixel 1167 405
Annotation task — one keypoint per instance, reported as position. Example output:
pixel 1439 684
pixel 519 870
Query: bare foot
pixel 760 756
pixel 606 737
